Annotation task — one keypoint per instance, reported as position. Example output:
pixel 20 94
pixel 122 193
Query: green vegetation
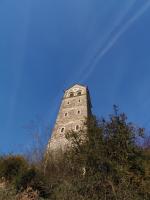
pixel 11 166
pixel 104 163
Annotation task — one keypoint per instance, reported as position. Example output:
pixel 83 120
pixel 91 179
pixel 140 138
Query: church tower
pixel 75 108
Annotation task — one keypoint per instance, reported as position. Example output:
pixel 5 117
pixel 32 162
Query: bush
pixel 9 194
pixel 33 178
pixel 11 166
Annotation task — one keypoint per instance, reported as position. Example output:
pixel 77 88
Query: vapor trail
pixel 90 67
pixel 121 16
pixel 117 22
pixel 18 57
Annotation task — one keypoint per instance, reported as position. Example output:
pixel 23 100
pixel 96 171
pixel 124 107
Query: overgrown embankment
pixel 106 164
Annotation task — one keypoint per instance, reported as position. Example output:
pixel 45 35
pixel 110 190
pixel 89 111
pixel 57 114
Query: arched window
pixel 62 130
pixel 71 94
pixel 79 93
pixel 79 111
pixel 66 114
pixel 77 127
pixel 79 100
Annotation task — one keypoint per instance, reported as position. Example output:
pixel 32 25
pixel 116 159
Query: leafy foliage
pixel 106 157
pixel 33 178
pixel 11 166
pixel 104 162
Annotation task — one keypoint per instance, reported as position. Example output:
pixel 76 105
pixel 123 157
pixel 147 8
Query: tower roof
pixel 81 86
pixel 76 85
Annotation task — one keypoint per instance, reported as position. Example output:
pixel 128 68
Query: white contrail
pixel 115 38
pixel 18 62
pixel 117 22
pixel 68 81
pixel 122 15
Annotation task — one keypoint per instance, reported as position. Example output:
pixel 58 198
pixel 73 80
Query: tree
pixel 113 162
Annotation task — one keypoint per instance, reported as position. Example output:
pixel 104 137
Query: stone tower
pixel 75 108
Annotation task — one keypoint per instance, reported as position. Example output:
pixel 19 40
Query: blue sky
pixel 46 46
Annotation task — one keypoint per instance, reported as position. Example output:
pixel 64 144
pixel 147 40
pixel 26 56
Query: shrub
pixel 33 178
pixel 11 166
pixel 9 194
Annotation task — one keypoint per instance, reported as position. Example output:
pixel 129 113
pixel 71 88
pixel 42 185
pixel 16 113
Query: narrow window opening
pixel 71 94
pixel 66 114
pixel 79 112
pixel 62 130
pixel 79 93
pixel 77 127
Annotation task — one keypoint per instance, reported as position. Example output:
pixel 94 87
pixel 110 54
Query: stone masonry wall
pixel 73 111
